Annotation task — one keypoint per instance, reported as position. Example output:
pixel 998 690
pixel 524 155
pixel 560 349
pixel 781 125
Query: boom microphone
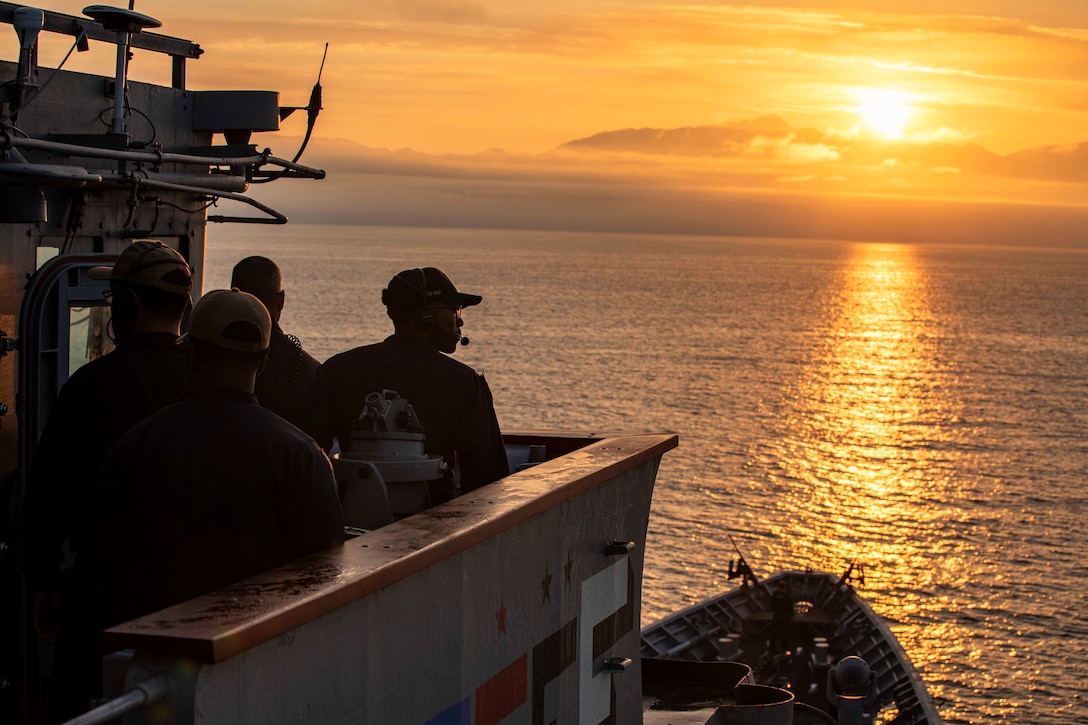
pixel 456 333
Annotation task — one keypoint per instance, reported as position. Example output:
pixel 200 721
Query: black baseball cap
pixel 425 286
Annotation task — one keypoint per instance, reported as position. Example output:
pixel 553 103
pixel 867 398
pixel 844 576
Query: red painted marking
pixel 546 582
pixel 501 617
pixel 502 694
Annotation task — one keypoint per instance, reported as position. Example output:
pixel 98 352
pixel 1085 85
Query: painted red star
pixel 546 583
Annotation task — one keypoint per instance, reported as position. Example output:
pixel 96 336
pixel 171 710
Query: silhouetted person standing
pixel 149 294
pixel 452 400
pixel 289 371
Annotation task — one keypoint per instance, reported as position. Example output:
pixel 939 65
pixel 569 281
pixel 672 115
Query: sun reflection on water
pixel 863 458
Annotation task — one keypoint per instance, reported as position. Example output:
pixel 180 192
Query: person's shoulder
pixel 89 371
pixel 455 366
pixel 138 356
pixel 293 346
pixel 290 439
pixel 89 377
pixel 163 422
pixel 271 424
pixel 352 357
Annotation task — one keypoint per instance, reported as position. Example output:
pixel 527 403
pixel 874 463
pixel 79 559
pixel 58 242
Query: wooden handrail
pixel 225 623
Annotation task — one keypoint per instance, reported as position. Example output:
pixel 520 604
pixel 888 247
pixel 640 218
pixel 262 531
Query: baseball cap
pixel 425 286
pixel 230 319
pixel 149 263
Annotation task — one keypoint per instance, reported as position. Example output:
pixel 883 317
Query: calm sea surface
pixel 921 409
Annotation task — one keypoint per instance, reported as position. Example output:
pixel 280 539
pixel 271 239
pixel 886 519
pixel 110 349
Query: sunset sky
pixel 436 102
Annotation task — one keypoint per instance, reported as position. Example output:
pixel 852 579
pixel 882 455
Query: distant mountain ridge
pixel 1065 163
pixel 691 140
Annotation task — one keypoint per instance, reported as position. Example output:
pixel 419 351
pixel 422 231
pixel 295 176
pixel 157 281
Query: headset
pixel 424 316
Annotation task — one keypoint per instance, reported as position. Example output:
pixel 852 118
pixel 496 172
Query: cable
pixel 33 96
pixel 815 710
pixel 179 207
pixel 154 131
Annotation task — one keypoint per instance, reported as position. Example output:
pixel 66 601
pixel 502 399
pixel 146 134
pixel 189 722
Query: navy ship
pixel 518 602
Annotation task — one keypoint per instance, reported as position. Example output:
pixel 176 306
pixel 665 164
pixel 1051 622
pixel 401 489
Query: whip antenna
pixel 314 107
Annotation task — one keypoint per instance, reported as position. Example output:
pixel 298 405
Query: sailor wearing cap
pixel 148 295
pixel 452 401
pixel 148 284
pixel 213 489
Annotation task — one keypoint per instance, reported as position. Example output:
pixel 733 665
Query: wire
pixel 33 96
pixel 17 130
pixel 814 710
pixel 154 131
pixel 197 210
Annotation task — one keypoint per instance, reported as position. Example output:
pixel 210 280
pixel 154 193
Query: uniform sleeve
pixel 105 574
pixel 479 447
pixel 316 520
pixel 316 417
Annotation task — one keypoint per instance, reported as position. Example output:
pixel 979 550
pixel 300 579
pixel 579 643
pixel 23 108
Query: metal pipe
pixel 277 218
pixel 155 157
pixel 216 182
pixel 48 172
pixel 144 693
pixel 70 174
pixel 81 176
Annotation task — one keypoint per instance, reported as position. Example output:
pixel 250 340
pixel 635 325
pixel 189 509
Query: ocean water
pixel 921 410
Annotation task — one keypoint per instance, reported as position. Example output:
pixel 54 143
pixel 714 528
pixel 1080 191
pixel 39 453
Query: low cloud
pixel 897 197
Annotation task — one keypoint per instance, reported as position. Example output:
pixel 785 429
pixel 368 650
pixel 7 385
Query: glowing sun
pixel 885 111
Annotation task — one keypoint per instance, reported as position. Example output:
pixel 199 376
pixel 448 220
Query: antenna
pixel 28 22
pixel 124 23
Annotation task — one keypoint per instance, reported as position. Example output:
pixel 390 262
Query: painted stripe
pixel 459 714
pixel 602 594
pixel 504 693
pixel 550 658
pixel 621 622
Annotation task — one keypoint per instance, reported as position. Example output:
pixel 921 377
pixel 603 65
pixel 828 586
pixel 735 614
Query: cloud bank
pixel 757 178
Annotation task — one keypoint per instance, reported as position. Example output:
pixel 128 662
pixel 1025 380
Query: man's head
pixel 149 288
pixel 423 302
pixel 260 277
pixel 228 338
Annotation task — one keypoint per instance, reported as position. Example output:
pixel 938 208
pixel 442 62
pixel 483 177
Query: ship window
pixel 87 338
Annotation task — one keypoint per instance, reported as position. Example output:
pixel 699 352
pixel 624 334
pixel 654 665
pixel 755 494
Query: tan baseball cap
pixel 149 263
pixel 231 319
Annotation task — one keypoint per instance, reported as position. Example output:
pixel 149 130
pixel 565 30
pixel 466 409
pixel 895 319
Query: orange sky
pixel 895 92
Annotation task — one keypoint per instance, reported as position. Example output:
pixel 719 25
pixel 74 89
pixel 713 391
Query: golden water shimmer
pixel 871 420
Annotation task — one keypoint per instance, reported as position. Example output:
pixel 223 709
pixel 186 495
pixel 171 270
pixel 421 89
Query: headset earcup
pixel 125 301
pixel 424 317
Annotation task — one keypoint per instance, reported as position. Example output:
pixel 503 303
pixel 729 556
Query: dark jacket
pixel 452 401
pixel 101 401
pixel 286 376
pixel 206 492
